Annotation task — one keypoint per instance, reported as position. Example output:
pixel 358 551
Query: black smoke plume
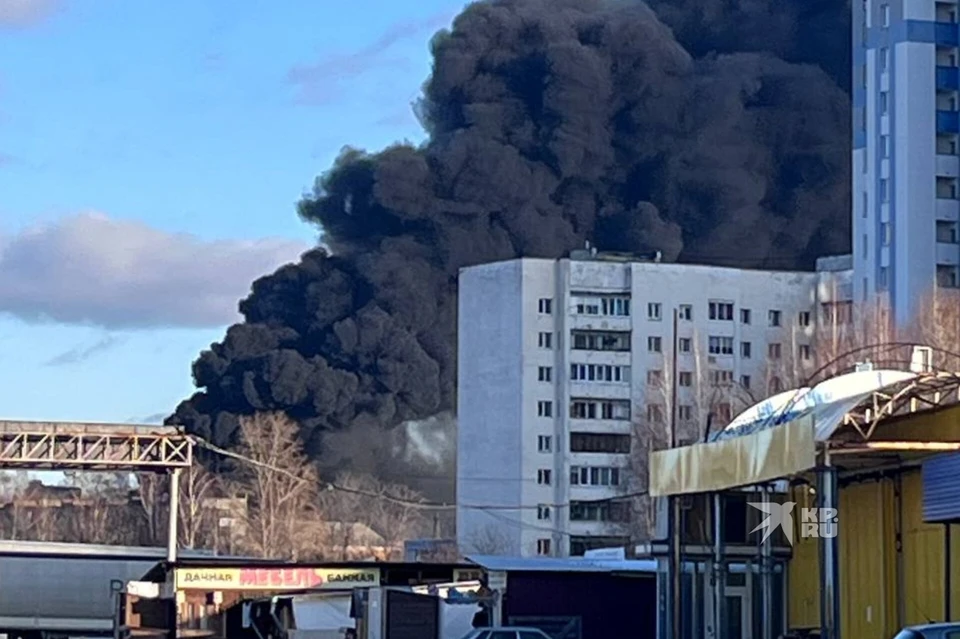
pixel 550 122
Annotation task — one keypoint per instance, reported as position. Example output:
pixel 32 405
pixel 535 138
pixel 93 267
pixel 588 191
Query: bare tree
pixel 488 540
pixel 280 484
pixel 387 509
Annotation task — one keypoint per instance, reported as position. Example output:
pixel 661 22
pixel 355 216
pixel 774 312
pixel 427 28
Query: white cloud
pixel 25 13
pixel 90 269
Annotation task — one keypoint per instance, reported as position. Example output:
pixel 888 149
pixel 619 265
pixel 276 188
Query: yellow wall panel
pixel 923 557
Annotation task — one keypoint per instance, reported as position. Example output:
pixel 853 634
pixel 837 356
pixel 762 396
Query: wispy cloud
pixel 322 82
pixel 27 13
pixel 83 353
pixel 93 270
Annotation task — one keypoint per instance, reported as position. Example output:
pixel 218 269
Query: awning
pixel 774 439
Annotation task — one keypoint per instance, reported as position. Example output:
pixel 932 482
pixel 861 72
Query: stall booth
pixel 204 591
pixel 802 456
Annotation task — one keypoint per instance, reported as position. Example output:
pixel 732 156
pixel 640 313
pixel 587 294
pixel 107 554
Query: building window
pixel 946 232
pixel 803 350
pixel 720 345
pixel 884 61
pixel 607 305
pixel 886 233
pixel 746 350
pixel 882 278
pixel 654 344
pixel 885 146
pixel 655 413
pixel 745 317
pixel 723 411
pixel 865 245
pixel 544 443
pixel 545 340
pixel 599 443
pixel 654 377
pixel 544 408
pixel 686 312
pixel 599 373
pixel 594 476
pixel 543 512
pixel 776 386
pixel 721 377
pixel 721 311
pixel 946 188
pixel 684 344
pixel 803 319
pixel 544 374
pixel 600 340
pixel 618 511
pixel 600 409
pixel 544 476
pixel 885 15
pixel 774 317
pixel 685 378
pixel 543 547
pixel 773 351
pixel 745 381
pixel 884 195
pixel 883 103
pixel 546 306
pixel 654 311
pixel 685 412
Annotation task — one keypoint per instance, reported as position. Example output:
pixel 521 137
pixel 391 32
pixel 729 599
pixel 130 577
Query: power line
pixel 400 501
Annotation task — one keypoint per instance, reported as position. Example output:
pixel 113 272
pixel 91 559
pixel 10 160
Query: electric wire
pixel 400 501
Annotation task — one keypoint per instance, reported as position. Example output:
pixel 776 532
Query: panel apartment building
pixel 906 168
pixel 560 360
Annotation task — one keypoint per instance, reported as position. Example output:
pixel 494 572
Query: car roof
pixel 939 625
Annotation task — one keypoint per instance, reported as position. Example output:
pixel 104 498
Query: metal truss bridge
pixel 103 447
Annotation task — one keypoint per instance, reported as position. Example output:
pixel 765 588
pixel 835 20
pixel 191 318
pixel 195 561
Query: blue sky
pixel 151 155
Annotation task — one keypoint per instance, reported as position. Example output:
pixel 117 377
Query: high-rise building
pixel 560 361
pixel 905 150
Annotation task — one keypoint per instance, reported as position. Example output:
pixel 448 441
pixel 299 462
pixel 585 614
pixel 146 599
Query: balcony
pixel 945 34
pixel 948 78
pixel 948 122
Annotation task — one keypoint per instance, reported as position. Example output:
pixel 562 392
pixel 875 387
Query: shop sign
pixel 275 579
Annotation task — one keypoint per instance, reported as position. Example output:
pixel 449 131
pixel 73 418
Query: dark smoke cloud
pixel 550 122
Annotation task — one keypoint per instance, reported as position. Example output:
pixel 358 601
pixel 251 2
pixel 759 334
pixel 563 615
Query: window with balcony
pixel 946 232
pixel 946 187
pixel 600 340
pixel 614 511
pixel 948 276
pixel 599 373
pixel 947 144
pixel 720 311
pixel 603 305
pixel 599 409
pixel 717 345
pixel 581 442
pixel 594 476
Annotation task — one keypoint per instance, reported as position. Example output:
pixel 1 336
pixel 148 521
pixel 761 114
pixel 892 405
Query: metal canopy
pixel 107 447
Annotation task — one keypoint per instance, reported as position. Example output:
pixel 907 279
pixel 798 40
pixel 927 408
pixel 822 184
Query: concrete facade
pixel 561 360
pixel 905 158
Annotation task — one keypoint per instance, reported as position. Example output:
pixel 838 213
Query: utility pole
pixel 674 533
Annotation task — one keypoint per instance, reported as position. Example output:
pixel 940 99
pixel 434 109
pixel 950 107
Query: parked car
pixel 946 630
pixel 507 632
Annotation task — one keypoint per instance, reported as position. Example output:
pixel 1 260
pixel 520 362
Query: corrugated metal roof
pixel 556 564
